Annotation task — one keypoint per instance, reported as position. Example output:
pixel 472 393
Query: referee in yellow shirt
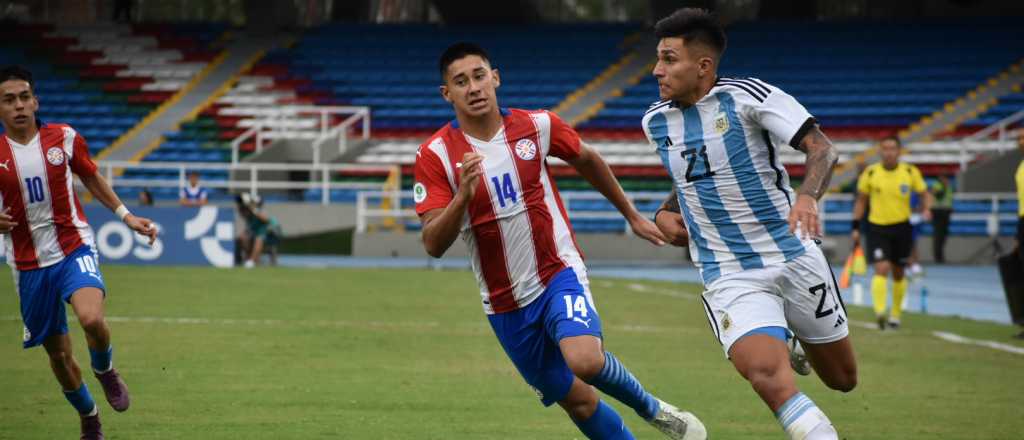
pixel 887 185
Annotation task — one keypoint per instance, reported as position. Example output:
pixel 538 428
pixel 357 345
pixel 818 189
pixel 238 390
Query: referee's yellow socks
pixel 899 290
pixel 878 294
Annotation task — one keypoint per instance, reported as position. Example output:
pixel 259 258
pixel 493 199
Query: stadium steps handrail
pixel 944 119
pixel 114 169
pixel 392 211
pixel 589 99
pixel 276 127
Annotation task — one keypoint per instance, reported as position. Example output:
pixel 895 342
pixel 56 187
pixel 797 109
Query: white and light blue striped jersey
pixel 722 155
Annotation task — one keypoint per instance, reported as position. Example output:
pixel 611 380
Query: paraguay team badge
pixel 526 149
pixel 55 156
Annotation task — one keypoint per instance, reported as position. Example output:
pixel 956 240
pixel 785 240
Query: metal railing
pixel 1000 128
pixel 283 122
pixel 365 213
pixel 319 176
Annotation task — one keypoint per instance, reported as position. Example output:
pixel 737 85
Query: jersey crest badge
pixel 419 192
pixel 526 149
pixel 721 123
pixel 55 155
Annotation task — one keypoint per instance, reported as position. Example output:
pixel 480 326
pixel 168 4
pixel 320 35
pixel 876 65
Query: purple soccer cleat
pixel 91 428
pixel 115 390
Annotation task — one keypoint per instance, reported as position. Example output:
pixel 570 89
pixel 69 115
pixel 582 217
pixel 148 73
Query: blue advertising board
pixel 202 236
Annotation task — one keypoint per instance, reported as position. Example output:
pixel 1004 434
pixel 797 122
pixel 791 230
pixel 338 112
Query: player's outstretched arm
pixel 441 225
pixel 100 189
pixel 860 205
pixel 592 167
pixel 821 159
pixel 669 219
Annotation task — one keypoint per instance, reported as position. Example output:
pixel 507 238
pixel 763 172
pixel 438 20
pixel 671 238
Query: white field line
pixel 954 338
pixel 957 339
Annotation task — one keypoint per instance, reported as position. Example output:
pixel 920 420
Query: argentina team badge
pixel 526 149
pixel 721 123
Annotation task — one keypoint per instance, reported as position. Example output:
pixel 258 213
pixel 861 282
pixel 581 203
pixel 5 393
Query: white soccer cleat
pixel 678 424
pixel 798 359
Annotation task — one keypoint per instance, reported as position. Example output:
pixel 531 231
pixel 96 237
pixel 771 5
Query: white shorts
pixel 800 295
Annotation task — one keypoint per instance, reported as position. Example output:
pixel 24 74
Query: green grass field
pixel 406 354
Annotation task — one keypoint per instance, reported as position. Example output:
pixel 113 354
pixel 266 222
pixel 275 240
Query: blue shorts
pixel 530 335
pixel 44 291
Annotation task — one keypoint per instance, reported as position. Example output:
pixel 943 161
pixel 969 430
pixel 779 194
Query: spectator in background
pixel 263 232
pixel 942 210
pixel 193 194
pixel 145 197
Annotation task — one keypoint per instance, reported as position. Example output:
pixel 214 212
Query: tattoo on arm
pixel 671 203
pixel 821 159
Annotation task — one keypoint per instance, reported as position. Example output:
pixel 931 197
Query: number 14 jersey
pixel 515 228
pixel 721 154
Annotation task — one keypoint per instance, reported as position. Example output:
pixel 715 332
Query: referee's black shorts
pixel 890 242
pixel 1020 232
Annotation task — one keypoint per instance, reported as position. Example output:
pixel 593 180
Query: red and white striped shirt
pixel 516 228
pixel 36 189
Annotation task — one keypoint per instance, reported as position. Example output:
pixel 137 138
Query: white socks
pixel 802 420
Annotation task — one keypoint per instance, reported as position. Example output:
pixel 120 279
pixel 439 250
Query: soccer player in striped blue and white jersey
pixel 767 284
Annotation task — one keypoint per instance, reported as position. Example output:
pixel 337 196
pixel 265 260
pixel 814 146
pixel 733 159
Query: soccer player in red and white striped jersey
pixel 484 177
pixel 50 245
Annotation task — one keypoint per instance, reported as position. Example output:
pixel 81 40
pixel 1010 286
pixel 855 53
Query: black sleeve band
pixel 799 136
pixel 855 225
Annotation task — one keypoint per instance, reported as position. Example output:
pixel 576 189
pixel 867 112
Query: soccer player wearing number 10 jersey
pixel 50 246
pixel 484 177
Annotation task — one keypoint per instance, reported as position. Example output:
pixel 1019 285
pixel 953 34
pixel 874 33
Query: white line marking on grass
pixel 955 338
pixel 647 289
pixel 864 324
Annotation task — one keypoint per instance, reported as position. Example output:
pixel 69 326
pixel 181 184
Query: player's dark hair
pixel 693 25
pixel 893 138
pixel 16 72
pixel 458 51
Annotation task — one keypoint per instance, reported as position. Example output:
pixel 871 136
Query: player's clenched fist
pixel 6 222
pixel 470 170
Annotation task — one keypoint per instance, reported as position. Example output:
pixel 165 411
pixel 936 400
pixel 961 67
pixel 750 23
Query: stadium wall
pixel 619 248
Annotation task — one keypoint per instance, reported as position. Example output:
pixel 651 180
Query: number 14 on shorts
pixel 576 309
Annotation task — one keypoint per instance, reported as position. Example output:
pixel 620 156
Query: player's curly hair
pixel 458 51
pixel 693 25
pixel 16 72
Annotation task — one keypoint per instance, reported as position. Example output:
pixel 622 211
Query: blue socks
pixel 82 400
pixel 101 360
pixel 605 424
pixel 616 381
